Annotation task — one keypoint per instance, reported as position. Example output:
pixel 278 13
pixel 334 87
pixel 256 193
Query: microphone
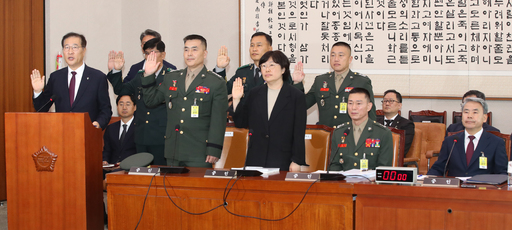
pixel 244 172
pixel 455 139
pixel 52 99
pixel 327 176
pixel 174 169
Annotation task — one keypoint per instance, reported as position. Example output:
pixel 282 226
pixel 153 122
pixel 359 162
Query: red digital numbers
pixel 393 176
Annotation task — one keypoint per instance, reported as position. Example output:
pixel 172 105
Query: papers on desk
pixel 353 174
pixel 109 166
pixel 265 171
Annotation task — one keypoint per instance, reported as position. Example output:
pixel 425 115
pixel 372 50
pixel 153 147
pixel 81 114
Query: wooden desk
pixel 407 207
pixel 328 205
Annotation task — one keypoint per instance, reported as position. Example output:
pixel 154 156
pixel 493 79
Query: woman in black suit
pixel 275 114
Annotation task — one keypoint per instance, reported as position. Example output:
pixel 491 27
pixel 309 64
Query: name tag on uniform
pixel 343 107
pixel 194 111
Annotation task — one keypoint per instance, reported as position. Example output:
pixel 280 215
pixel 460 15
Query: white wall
pixel 117 24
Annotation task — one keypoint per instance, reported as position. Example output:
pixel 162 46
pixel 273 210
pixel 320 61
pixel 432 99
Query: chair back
pixel 428 116
pixel 398 146
pixel 318 146
pixel 432 139
pixel 457 117
pixel 415 150
pixel 506 138
pixel 234 149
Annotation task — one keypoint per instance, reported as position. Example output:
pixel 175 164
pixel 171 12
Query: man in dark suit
pixel 77 88
pixel 456 127
pixel 475 151
pixel 118 139
pixel 391 104
pixel 360 138
pixel 150 122
pixel 330 90
pixel 144 37
pixel 196 101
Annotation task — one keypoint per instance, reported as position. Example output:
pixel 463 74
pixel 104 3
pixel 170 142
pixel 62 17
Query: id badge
pixel 483 163
pixel 364 164
pixel 343 107
pixel 194 111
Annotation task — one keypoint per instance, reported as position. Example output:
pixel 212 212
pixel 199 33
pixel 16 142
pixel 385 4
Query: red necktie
pixel 72 89
pixel 470 150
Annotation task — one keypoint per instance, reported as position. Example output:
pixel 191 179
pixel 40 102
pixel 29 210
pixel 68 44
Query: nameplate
pixel 143 171
pixel 291 176
pixel 212 173
pixel 228 134
pixel 441 182
pixel 308 137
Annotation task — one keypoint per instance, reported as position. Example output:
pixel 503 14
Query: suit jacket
pixel 459 127
pixel 376 141
pixel 329 101
pixel 402 124
pixel 92 95
pixel 277 141
pixel 198 136
pixel 113 150
pixel 150 122
pixel 137 67
pixel 492 146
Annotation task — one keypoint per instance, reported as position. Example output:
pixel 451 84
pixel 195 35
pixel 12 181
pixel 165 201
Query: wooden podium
pixel 54 173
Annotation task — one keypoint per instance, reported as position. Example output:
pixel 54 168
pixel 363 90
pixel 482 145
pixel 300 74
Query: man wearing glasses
pixel 391 104
pixel 77 88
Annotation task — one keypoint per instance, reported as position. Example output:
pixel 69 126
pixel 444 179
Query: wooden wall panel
pixel 21 50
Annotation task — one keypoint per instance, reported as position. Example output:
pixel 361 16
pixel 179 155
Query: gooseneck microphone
pixel 52 99
pixel 455 139
pixel 336 176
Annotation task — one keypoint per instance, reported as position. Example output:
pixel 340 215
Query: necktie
pixel 123 133
pixel 388 122
pixel 256 75
pixel 188 80
pixel 470 150
pixel 71 89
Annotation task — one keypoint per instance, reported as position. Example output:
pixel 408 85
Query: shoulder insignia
pixel 244 66
pixel 361 75
pixel 215 74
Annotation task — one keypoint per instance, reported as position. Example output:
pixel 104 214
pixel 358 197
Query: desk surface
pixel 328 205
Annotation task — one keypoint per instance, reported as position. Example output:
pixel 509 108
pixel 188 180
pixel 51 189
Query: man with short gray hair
pixel 475 151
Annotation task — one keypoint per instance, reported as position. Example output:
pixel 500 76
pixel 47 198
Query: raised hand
pixel 222 57
pixel 151 64
pixel 237 92
pixel 115 60
pixel 298 73
pixel 37 81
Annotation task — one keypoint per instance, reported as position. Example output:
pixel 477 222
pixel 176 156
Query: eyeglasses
pixel 74 48
pixel 388 101
pixel 268 66
pixel 148 53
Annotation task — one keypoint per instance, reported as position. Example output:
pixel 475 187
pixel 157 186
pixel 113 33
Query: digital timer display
pixel 396 175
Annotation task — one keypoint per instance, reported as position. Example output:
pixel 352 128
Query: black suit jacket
pixel 113 150
pixel 277 141
pixel 137 67
pixel 402 124
pixel 459 127
pixel 492 146
pixel 92 95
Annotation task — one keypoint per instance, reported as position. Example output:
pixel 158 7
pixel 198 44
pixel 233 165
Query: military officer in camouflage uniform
pixel 360 138
pixel 150 122
pixel 196 101
pixel 330 90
